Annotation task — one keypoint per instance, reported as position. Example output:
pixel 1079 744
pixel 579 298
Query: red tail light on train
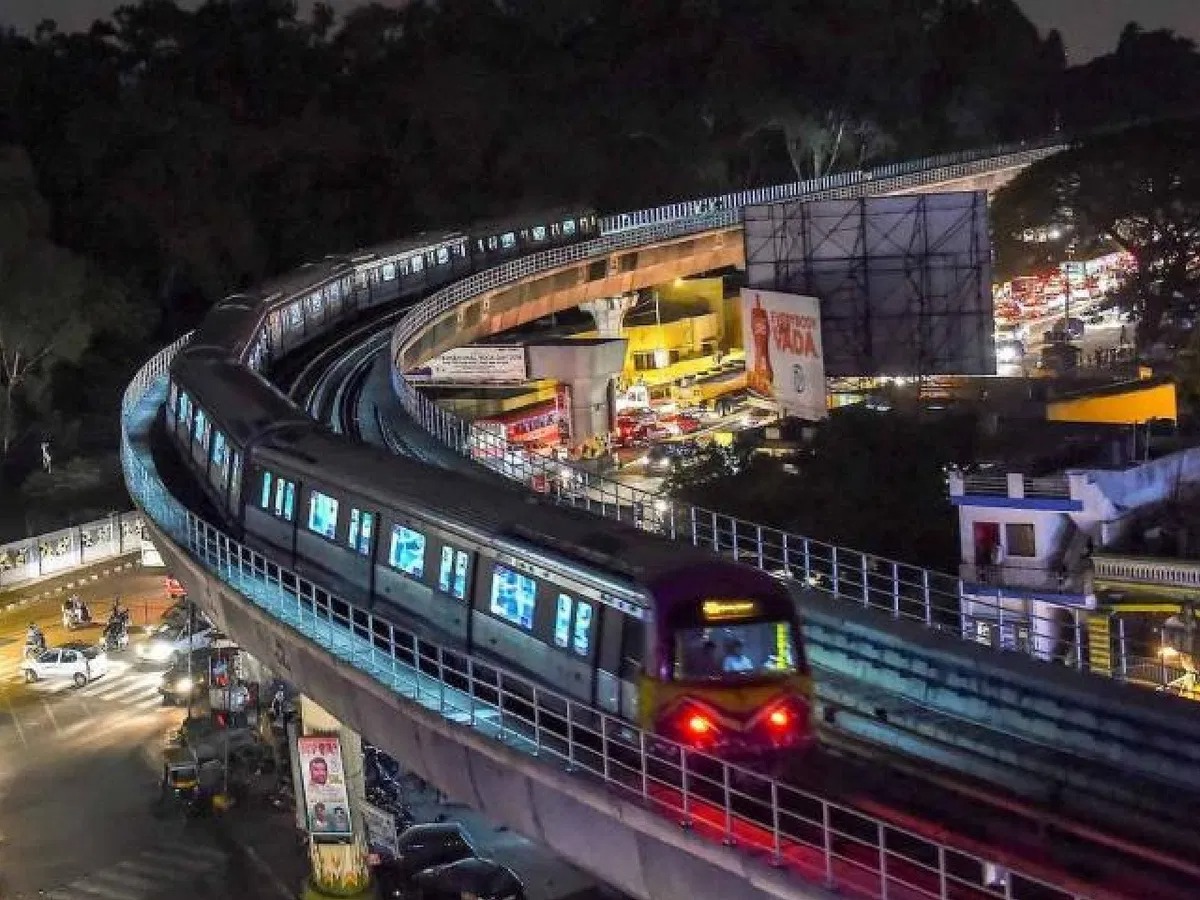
pixel 784 723
pixel 696 726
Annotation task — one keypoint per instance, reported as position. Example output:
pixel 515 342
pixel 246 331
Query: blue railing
pixel 819 841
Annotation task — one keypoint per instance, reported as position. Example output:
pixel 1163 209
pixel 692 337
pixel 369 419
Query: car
pixel 419 848
pixel 481 879
pixel 75 661
pixel 171 643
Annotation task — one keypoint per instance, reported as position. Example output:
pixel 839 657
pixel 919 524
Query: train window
pixel 462 560
pixel 443 256
pixel 493 243
pixel 417 263
pixel 460 250
pixel 754 648
pixel 285 499
pixel 568 227
pixel 235 483
pixel 295 315
pixel 539 233
pixel 452 575
pixel 562 620
pixel 220 459
pixel 265 500
pixel 322 514
pixel 407 552
pixel 389 271
pixel 172 404
pixel 514 597
pixel 582 641
pixel 362 528
pixel 508 240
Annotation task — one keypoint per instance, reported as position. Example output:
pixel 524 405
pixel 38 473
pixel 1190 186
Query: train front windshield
pixel 744 648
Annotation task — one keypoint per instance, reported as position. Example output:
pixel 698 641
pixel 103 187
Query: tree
pixel 1138 190
pixel 873 481
pixel 43 316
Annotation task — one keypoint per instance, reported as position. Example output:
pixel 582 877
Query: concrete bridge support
pixel 339 865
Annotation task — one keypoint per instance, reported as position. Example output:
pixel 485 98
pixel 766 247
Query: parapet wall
pixel 633 848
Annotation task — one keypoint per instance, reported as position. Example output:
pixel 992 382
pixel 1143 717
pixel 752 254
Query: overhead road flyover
pixel 1048 705
pixel 889 857
pixel 606 805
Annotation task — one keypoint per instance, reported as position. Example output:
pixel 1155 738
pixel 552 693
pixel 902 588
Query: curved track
pixel 936 801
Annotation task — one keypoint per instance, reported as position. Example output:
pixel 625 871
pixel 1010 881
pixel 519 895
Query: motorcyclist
pixel 34 639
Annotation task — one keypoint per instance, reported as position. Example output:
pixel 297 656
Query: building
pixel 1031 541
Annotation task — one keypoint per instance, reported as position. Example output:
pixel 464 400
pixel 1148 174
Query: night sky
pixel 1089 27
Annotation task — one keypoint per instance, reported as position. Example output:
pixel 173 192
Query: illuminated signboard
pixel 726 610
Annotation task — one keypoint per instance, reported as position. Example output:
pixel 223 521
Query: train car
pixel 727 670
pixel 492 243
pixel 216 411
pixel 601 612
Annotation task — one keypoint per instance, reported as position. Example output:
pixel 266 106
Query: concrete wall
pixel 620 842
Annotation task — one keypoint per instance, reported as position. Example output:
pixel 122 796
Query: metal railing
pixel 900 589
pixel 34 559
pixel 795 189
pixel 1050 487
pixel 1147 570
pixel 817 839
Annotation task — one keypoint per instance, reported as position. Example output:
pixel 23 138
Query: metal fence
pixel 32 559
pixel 900 589
pixel 814 838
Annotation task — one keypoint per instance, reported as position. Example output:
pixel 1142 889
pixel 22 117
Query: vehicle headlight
pixel 184 685
pixel 156 650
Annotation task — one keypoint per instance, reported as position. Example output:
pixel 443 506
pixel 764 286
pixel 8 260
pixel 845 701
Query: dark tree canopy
pixel 185 153
pixel 871 480
pixel 1138 190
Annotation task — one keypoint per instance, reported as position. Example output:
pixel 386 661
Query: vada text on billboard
pixel 783 351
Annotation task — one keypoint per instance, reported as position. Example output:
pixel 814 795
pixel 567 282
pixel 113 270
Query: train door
pixel 606 686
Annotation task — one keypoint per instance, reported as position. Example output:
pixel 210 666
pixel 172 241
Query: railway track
pixel 1016 827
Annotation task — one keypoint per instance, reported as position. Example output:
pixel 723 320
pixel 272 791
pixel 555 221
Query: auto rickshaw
pixel 181 773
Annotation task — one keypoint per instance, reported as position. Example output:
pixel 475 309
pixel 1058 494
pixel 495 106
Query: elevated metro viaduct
pixel 622 842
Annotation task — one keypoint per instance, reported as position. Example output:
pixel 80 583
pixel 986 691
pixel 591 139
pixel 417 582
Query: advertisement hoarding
pixel 326 801
pixel 783 351
pixel 476 364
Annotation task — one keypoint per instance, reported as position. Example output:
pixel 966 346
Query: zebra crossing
pixel 61 710
pixel 159 871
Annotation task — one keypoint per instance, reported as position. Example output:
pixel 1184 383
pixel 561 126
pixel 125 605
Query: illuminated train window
pixel 514 597
pixel 362 527
pixel 322 515
pixel 407 552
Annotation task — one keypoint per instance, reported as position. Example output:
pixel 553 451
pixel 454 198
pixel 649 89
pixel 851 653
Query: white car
pixel 79 662
pixel 168 643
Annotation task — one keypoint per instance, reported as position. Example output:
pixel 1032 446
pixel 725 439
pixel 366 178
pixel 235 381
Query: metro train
pixel 700 650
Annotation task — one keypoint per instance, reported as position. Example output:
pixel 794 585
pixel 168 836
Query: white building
pixel 1025 545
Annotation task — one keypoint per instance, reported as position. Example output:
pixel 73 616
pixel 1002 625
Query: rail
pixel 814 838
pixel 1049 487
pixel 896 588
pixel 774 193
pixel 35 559
pixel 1147 570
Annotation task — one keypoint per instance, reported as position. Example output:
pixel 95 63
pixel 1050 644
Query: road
pixel 79 780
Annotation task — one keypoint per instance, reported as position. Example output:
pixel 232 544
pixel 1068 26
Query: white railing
pixel 816 839
pixel 900 589
pixel 60 552
pixel 771 194
pixel 1146 570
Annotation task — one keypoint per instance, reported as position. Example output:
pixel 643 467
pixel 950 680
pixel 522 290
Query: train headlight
pixel 779 719
pixel 700 725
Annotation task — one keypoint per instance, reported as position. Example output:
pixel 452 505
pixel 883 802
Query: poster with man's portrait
pixel 326 800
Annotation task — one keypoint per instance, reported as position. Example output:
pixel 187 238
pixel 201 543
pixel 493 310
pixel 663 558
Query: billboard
pixel 476 364
pixel 904 282
pixel 326 801
pixel 782 334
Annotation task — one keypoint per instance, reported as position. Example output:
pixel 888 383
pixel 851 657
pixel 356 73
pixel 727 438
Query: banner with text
pixel 326 801
pixel 783 351
pixel 476 364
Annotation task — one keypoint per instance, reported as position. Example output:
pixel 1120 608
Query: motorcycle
pixel 116 636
